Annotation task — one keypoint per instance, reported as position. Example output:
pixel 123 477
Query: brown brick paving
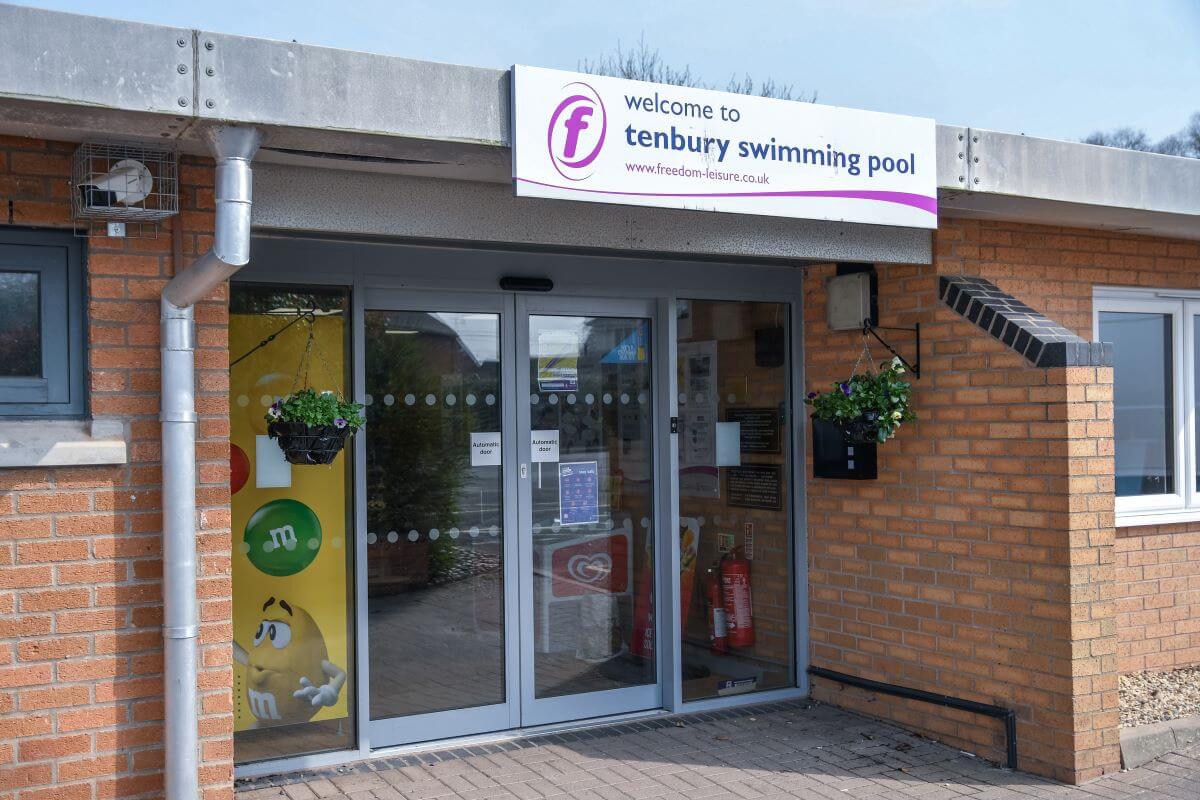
pixel 793 750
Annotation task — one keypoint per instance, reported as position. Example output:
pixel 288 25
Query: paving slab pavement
pixel 783 750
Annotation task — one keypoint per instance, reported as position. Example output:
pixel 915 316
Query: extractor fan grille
pixel 124 183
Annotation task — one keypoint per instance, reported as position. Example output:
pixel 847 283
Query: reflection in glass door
pixel 435 528
pixel 587 516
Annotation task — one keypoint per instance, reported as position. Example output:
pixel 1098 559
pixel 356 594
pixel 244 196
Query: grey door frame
pixel 290 258
pixel 542 711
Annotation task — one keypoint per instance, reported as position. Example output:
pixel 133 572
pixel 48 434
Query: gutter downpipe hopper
pixel 233 148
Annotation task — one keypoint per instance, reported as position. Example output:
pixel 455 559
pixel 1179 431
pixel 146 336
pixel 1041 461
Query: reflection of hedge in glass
pixel 418 455
pixel 20 337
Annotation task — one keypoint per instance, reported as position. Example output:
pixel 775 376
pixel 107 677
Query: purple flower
pixel 811 395
pixel 845 389
pixel 340 422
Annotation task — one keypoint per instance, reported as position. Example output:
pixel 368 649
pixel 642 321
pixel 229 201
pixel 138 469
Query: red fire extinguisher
pixel 717 639
pixel 739 613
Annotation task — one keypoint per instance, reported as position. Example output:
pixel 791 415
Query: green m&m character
pixel 282 537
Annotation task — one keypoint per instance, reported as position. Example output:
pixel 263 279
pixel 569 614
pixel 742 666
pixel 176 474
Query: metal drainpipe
pixel 233 148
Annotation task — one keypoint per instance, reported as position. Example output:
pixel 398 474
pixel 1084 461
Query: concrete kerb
pixel 1144 743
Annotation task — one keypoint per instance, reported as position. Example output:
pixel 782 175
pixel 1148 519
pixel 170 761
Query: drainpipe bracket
pixel 178 416
pixel 178 333
pixel 180 631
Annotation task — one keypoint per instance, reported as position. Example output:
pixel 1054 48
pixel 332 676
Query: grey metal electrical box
pixel 848 301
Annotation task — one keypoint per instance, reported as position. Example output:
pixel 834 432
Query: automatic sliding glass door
pixel 509 493
pixel 587 508
pixel 438 523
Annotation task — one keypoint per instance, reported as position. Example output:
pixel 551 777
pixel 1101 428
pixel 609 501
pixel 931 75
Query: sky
pixel 1053 68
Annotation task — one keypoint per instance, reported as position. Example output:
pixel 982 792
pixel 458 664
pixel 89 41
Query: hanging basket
pixel 308 444
pixel 864 430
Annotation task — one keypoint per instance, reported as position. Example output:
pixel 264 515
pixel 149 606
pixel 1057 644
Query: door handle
pixel 524 471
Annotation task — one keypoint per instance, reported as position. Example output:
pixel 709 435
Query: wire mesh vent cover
pixel 124 183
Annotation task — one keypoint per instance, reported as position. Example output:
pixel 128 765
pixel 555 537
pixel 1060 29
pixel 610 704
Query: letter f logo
pixel 574 124
pixel 569 150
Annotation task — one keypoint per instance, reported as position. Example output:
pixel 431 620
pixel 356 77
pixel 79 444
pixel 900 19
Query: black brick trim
pixel 1039 339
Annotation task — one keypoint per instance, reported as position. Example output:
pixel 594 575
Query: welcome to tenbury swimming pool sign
pixel 609 140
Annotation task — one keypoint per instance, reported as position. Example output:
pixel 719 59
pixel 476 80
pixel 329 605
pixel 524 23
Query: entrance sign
pixel 610 140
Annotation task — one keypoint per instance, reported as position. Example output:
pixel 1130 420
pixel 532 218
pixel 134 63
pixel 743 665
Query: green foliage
pixel 314 409
pixel 880 399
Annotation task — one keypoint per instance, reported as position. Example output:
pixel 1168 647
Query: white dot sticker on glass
pixel 552 399
pixel 434 533
pixel 470 399
pixel 430 399
pixel 368 400
pixel 413 536
pixel 490 399
pixel 371 538
pixel 534 399
pixel 453 533
pixel 243 401
pixel 589 398
pixel 393 537
pixel 389 400
pixel 451 399
pixel 624 398
pixel 571 399
pixel 607 398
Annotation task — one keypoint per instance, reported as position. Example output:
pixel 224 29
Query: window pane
pixel 1196 387
pixel 20 337
pixel 735 535
pixel 292 613
pixel 435 511
pixel 589 387
pixel 1143 402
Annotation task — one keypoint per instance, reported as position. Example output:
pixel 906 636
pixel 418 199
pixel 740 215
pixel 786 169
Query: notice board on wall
pixel 755 486
pixel 759 428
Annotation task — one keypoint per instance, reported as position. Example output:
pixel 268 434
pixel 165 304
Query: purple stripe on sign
pixel 919 201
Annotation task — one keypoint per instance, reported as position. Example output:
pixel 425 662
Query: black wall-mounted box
pixel 833 457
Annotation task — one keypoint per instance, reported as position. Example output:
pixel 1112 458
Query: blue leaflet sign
pixel 578 493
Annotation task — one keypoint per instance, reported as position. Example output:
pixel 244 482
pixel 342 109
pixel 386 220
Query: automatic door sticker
pixel 543 446
pixel 485 449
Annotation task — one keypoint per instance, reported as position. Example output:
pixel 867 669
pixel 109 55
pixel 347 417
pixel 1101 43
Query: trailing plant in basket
pixel 869 407
pixel 312 427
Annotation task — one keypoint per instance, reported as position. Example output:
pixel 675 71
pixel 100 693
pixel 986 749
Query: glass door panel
pixel 588 519
pixel 435 526
pixel 734 479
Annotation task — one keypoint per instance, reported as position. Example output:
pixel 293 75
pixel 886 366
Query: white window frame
pixel 1182 307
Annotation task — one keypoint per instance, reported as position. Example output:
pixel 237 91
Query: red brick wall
pixel 1157 590
pixel 1158 598
pixel 80 598
pixel 979 564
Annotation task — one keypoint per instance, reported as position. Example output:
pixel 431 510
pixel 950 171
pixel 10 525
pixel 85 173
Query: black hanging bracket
pixel 913 366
